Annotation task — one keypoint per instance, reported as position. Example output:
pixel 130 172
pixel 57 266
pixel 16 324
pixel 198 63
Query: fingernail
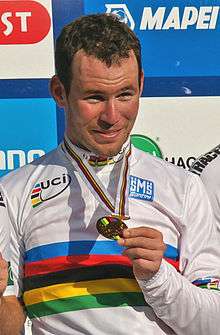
pixel 126 233
pixel 121 241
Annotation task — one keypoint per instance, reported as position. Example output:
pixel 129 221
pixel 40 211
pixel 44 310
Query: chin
pixel 105 148
pixel 105 151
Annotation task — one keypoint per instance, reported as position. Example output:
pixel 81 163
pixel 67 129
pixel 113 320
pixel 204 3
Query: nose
pixel 110 113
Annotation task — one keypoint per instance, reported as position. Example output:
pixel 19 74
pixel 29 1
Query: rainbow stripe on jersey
pixel 35 196
pixel 79 275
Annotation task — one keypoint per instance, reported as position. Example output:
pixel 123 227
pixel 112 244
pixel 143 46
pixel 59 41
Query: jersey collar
pixel 94 159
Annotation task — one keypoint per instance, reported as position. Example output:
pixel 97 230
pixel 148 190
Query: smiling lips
pixel 107 133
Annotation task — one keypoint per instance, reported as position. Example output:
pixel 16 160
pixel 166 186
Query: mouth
pixel 107 136
pixel 107 133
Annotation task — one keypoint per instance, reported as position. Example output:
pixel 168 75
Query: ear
pixel 142 82
pixel 58 91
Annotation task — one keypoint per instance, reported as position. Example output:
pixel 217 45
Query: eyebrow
pixel 93 92
pixel 126 88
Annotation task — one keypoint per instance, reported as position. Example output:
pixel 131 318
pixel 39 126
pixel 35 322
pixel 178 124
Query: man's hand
pixel 145 248
pixel 3 275
pixel 12 317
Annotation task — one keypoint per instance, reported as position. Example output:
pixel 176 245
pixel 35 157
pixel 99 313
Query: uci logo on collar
pixel 141 188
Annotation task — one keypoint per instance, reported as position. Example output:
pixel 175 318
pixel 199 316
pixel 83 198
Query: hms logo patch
pixel 141 188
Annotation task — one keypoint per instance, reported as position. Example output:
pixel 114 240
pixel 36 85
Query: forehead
pixel 85 67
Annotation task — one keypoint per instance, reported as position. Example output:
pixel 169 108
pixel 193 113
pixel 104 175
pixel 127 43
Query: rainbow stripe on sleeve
pixel 208 282
pixel 77 275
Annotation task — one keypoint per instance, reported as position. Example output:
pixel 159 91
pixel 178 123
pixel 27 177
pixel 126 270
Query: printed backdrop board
pixel 178 117
pixel 26 39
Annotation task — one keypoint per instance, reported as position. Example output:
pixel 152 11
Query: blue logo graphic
pixel 122 11
pixel 141 188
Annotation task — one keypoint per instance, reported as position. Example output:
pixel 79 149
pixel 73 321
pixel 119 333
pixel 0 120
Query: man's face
pixel 102 104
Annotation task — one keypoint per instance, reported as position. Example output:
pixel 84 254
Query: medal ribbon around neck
pixel 118 208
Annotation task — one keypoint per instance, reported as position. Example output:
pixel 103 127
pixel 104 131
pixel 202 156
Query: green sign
pixel 146 144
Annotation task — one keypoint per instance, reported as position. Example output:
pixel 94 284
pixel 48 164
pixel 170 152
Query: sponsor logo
pixel 141 188
pixel 2 204
pixel 49 189
pixel 123 13
pixel 204 17
pixel 204 160
pixel 11 159
pixel 146 144
pixel 180 161
pixel 165 18
pixel 19 22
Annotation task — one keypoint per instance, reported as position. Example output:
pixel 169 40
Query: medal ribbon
pixel 118 208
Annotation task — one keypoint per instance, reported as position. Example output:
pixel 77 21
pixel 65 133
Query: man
pixel 76 265
pixel 8 303
pixel 207 167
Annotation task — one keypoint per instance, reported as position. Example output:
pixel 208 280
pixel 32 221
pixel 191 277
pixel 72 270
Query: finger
pixel 2 261
pixel 141 231
pixel 3 269
pixel 139 253
pixel 3 265
pixel 142 242
pixel 3 279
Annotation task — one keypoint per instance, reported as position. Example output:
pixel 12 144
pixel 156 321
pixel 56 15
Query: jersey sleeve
pixel 11 245
pixel 211 179
pixel 200 252
pixel 4 229
pixel 207 167
pixel 189 301
pixel 5 242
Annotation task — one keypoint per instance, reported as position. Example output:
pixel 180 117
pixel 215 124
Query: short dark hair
pixel 101 35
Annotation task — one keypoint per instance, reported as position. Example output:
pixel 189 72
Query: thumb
pixel 3 275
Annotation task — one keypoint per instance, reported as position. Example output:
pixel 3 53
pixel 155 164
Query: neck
pixel 92 153
pixel 94 158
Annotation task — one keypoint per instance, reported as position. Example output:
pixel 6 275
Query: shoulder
pixel 170 182
pixel 157 167
pixel 174 188
pixel 17 180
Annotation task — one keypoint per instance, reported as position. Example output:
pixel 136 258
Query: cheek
pixel 131 111
pixel 86 113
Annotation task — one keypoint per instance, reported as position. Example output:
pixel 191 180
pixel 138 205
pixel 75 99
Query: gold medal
pixel 110 227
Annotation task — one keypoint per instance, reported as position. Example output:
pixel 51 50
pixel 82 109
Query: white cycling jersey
pixel 208 167
pixel 4 230
pixel 5 241
pixel 75 281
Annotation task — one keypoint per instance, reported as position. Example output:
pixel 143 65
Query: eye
pixel 94 98
pixel 124 96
